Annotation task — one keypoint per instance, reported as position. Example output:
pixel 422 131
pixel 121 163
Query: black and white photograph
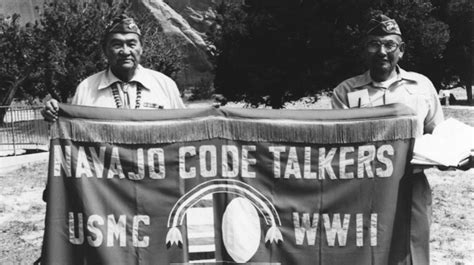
pixel 260 132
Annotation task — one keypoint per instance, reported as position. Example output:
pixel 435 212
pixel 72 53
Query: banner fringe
pixel 169 131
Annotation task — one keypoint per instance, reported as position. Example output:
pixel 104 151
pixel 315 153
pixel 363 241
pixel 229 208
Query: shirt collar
pixel 140 77
pixel 410 76
pixel 365 78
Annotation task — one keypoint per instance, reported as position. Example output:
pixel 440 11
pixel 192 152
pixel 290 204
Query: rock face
pixel 200 14
pixel 198 67
pixel 26 9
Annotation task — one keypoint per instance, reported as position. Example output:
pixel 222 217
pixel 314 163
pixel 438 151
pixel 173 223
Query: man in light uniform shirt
pixel 125 84
pixel 385 83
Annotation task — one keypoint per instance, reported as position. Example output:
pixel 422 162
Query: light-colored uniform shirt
pixel 417 92
pixel 412 89
pixel 159 91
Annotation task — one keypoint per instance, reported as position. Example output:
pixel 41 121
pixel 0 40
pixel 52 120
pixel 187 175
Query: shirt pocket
pixel 418 94
pixel 417 91
pixel 418 99
pixel 412 90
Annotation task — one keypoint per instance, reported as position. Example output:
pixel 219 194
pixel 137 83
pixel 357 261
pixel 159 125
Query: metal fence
pixel 22 129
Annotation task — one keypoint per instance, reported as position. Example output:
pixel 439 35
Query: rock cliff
pixel 187 25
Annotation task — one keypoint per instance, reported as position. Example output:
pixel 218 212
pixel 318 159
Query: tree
pixel 16 54
pixel 457 59
pixel 67 41
pixel 161 53
pixel 270 52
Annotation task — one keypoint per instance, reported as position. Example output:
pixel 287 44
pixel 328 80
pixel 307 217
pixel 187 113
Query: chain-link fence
pixel 22 128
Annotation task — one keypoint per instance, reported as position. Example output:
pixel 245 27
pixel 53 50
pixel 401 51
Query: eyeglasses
pixel 389 46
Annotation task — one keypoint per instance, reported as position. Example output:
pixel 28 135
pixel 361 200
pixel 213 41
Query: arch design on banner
pixel 258 200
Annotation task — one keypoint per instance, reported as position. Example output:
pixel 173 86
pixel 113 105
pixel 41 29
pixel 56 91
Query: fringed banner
pixel 226 186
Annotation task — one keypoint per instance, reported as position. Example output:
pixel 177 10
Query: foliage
pixel 161 53
pixel 271 52
pixel 68 39
pixel 203 90
pixel 267 52
pixel 16 53
pixel 456 63
pixel 64 46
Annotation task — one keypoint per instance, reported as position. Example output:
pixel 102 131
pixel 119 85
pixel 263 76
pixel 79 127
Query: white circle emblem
pixel 241 230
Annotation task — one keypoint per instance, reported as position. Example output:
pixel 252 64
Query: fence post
pixel 13 132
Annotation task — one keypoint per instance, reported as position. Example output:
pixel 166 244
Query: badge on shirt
pixel 150 105
pixel 358 99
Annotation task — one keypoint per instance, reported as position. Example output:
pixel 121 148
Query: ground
pixel 452 229
pixel 452 232
pixel 22 214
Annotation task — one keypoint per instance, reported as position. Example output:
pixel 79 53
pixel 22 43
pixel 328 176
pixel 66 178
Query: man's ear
pixel 140 39
pixel 402 49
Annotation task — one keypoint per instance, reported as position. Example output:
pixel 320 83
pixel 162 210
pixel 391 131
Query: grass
pixel 465 115
pixel 452 229
pixel 452 232
pixel 22 214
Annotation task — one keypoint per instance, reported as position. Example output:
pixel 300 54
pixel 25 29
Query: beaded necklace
pixel 118 100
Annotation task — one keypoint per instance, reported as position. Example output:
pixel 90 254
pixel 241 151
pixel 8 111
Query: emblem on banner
pixel 241 230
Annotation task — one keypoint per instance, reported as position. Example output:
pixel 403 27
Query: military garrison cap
pixel 122 24
pixel 381 25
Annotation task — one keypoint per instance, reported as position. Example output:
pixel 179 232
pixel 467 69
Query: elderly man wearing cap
pixel 125 84
pixel 384 83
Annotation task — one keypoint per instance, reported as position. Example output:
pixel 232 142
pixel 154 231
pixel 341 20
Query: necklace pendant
pixel 119 102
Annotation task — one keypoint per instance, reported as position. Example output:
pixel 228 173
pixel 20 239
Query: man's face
pixel 383 53
pixel 123 51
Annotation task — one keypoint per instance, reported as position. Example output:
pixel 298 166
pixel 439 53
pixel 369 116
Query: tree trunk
pixel 5 102
pixel 8 99
pixel 468 85
pixel 467 79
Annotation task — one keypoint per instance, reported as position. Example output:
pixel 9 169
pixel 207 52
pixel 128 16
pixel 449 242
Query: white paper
pixel 451 142
pixel 456 131
pixel 359 98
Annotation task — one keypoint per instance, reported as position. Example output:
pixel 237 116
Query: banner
pixel 228 186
